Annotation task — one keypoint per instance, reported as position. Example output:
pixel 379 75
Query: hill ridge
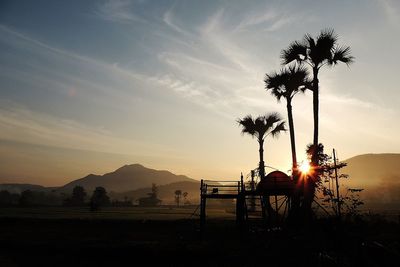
pixel 127 177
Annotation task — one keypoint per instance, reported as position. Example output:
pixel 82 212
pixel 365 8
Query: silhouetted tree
pixel 313 179
pixel 5 198
pixel 77 198
pixel 8 199
pixel 260 128
pixel 321 157
pixel 287 84
pixel 324 50
pixel 26 199
pixel 178 194
pixel 78 195
pixel 185 200
pixel 352 202
pixel 99 198
pixel 154 191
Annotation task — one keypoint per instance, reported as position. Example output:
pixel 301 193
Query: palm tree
pixel 260 128
pixel 324 50
pixel 287 84
pixel 178 194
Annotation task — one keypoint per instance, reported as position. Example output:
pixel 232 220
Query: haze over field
pixel 91 86
pixel 377 174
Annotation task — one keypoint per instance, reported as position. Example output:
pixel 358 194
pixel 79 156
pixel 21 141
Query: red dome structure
pixel 276 183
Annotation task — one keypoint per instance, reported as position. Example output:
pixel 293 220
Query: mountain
pixel 372 169
pixel 126 178
pixel 24 163
pixel 379 176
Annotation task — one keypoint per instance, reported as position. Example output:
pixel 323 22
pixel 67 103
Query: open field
pixel 144 236
pixel 114 213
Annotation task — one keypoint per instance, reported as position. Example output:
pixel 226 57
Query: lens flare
pixel 305 167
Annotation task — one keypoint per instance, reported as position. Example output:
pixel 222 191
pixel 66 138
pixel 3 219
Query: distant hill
pixel 18 188
pixel 24 163
pixel 371 169
pixel 127 178
pixel 379 175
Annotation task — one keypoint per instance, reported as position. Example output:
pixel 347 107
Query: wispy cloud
pixel 21 124
pixel 256 19
pixel 392 10
pixel 118 11
pixel 213 22
pixel 65 74
pixel 169 19
pixel 269 19
pixel 282 21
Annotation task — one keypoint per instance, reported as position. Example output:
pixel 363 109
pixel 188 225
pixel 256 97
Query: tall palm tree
pixel 319 52
pixel 324 50
pixel 287 84
pixel 261 127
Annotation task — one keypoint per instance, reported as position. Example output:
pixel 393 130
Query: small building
pixel 149 201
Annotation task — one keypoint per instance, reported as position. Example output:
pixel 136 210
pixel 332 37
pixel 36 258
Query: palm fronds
pixel 262 126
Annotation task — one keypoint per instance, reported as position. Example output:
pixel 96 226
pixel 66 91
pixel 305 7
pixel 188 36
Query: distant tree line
pixel 8 199
pixel 29 198
pixel 78 198
pixel 178 195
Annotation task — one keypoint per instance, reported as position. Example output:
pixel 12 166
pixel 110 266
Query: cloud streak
pixel 24 125
pixel 118 11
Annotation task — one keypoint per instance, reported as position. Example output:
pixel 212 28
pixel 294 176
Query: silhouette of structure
pixel 276 186
pixel 149 201
pixel 152 199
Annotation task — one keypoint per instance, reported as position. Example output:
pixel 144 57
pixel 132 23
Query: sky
pixel 162 83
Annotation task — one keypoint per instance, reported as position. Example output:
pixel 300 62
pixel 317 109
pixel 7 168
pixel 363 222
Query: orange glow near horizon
pixel 305 167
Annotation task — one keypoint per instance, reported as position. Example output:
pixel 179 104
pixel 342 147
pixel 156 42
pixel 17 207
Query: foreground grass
pixel 116 236
pixel 114 213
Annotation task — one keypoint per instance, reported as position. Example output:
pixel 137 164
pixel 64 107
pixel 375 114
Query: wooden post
pixel 202 206
pixel 253 189
pixel 238 208
pixel 240 201
pixel 276 202
pixel 337 186
pixel 242 188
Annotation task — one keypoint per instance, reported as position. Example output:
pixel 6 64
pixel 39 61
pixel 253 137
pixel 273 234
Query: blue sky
pixel 164 81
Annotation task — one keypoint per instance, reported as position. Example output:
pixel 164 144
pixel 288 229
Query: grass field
pixel 114 213
pixel 56 236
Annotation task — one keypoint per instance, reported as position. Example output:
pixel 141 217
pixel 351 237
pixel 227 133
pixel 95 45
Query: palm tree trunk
pixel 292 137
pixel 293 213
pixel 261 154
pixel 266 205
pixel 316 114
pixel 310 182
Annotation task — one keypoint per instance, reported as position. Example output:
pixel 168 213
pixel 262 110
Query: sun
pixel 305 167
